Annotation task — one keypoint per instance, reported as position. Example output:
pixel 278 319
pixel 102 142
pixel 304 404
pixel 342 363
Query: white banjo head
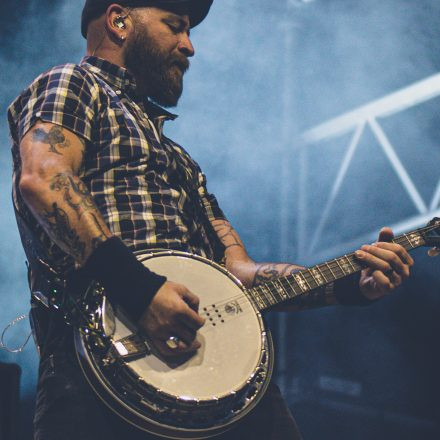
pixel 232 338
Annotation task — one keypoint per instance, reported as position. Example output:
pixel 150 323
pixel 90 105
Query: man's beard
pixel 158 75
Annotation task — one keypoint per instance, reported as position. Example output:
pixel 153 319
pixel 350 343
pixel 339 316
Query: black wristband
pixel 348 293
pixel 126 281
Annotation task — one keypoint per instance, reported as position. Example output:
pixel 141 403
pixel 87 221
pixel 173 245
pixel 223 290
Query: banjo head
pixel 232 338
pixel 203 395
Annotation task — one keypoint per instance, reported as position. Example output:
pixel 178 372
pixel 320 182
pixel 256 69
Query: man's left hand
pixel 388 264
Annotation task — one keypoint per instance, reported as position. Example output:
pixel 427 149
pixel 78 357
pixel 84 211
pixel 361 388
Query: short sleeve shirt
pixel 150 192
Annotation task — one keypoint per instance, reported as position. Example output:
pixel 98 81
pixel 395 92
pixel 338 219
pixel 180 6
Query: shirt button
pixel 118 92
pixel 38 114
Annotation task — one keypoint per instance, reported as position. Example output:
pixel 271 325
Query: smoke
pixel 262 74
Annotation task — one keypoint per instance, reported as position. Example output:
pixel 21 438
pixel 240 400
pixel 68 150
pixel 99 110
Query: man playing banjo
pixel 95 179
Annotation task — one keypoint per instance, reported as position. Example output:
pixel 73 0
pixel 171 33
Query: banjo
pixel 207 393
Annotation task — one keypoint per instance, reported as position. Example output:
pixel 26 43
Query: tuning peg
pixel 433 252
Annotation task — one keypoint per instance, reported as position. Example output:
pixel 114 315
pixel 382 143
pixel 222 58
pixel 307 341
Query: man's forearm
pixel 65 208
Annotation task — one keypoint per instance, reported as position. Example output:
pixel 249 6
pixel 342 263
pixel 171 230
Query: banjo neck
pixel 283 289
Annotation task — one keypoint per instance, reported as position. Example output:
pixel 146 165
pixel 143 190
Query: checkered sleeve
pixel 64 96
pixel 209 201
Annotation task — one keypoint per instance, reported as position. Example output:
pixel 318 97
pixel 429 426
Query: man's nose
pixel 185 46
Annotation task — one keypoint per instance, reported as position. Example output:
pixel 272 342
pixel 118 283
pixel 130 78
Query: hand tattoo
pixel 55 138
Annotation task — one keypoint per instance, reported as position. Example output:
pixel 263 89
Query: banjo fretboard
pixel 302 282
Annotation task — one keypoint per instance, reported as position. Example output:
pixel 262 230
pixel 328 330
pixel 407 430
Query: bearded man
pixel 95 179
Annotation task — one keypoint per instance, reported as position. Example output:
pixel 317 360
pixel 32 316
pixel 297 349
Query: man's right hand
pixel 173 312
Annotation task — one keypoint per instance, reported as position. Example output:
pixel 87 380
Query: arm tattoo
pixel 227 235
pixel 78 198
pixel 58 225
pixel 65 182
pixel 270 271
pixel 55 138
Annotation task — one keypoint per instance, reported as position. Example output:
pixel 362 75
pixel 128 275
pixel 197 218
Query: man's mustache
pixel 181 62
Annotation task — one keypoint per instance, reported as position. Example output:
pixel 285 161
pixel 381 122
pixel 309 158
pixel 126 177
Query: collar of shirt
pixel 123 81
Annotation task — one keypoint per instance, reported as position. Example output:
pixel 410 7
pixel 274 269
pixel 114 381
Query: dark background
pixel 263 74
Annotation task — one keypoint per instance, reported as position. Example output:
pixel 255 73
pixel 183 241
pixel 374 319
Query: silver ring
pixel 172 342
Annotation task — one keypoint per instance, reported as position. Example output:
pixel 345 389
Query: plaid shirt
pixel 150 192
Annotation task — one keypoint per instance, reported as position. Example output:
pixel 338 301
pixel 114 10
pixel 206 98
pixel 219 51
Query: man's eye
pixel 175 29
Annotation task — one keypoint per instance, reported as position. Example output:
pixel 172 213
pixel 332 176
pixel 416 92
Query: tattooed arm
pixel 51 159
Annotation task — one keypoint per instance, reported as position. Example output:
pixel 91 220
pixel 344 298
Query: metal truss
pixel 356 122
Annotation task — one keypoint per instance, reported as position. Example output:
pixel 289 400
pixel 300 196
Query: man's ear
pixel 118 23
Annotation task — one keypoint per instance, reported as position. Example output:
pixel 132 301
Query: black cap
pixel 197 9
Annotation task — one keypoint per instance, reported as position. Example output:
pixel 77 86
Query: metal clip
pixel 41 297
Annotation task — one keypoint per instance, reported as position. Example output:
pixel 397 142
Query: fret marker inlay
pixel 301 283
pixel 345 266
pixel 415 240
pixel 317 276
pixel 281 290
pixel 269 295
